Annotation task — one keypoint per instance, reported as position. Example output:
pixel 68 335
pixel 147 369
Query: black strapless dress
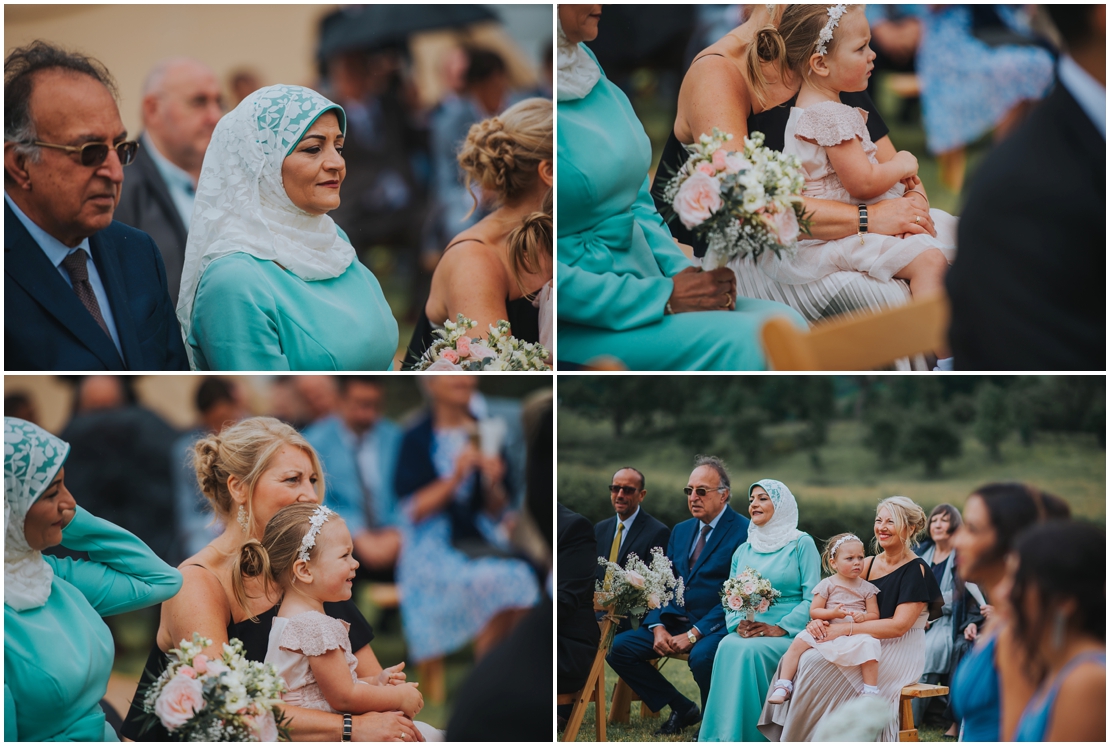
pixel 524 318
pixel 772 123
pixel 256 638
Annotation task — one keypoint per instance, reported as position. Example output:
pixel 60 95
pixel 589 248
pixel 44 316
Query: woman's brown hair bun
pixel 530 241
pixel 501 154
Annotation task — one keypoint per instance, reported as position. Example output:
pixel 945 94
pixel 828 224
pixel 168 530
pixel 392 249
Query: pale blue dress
pixel 743 667
pixel 616 255
pixel 447 597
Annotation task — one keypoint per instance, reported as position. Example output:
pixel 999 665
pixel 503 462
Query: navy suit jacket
pixel 646 532
pixel 704 580
pixel 47 328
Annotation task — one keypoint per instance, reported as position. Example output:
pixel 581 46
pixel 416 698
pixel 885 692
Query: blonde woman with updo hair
pixel 501 267
pixel 909 596
pixel 248 473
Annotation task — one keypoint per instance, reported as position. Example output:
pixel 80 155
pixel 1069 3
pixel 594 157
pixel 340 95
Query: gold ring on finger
pixel 917 219
pixel 728 301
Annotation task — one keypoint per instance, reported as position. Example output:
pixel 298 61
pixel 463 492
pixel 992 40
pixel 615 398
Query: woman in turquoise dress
pixel 270 281
pixel 58 652
pixel 745 661
pixel 624 287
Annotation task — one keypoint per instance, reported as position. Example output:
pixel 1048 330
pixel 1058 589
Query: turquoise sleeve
pixel 234 321
pixel 667 254
pixel 610 300
pixel 11 731
pixel 122 573
pixel 809 569
pixel 732 618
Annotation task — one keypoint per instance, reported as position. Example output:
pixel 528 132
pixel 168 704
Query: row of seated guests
pixel 752 689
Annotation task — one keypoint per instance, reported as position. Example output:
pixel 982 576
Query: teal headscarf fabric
pixel 241 203
pixel 783 526
pixel 32 458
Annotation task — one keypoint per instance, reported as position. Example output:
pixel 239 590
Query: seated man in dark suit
pixel 631 529
pixel 577 633
pixel 182 103
pixel 1028 286
pixel 701 550
pixel 80 292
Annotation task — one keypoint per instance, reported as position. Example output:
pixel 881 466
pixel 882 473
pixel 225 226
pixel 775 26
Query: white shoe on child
pixel 944 365
pixel 782 692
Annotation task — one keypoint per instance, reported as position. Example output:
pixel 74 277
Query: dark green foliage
pixel 695 433
pixel 993 422
pixel 747 434
pixel 962 407
pixel 930 436
pixel 883 433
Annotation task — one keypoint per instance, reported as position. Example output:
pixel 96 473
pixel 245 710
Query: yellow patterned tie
pixel 613 551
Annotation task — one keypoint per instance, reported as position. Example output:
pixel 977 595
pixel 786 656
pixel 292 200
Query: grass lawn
pixel 134 632
pixel 643 729
pixel 1072 466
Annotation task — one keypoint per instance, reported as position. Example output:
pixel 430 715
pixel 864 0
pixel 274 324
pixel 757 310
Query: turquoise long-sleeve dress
pixel 58 657
pixel 251 314
pixel 743 667
pixel 616 255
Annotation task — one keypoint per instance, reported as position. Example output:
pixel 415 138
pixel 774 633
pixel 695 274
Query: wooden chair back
pixel 859 342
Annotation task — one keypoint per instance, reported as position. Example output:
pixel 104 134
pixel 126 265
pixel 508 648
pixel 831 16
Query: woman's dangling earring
pixel 242 518
pixel 1058 630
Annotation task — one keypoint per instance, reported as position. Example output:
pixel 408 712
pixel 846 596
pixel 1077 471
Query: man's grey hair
pixel 718 466
pixel 20 67
pixel 157 75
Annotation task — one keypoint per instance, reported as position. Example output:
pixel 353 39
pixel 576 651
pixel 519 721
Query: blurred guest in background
pixel 102 392
pixel 1028 288
pixel 182 103
pixel 457 582
pixel 220 403
pixel 1059 604
pixel 21 406
pixel 577 633
pixel 242 82
pixel 485 86
pixel 80 292
pixel 320 395
pixel 503 262
pixel 358 447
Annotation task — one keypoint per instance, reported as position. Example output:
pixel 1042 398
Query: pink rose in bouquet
pixel 735 603
pixel 463 346
pixel 479 351
pixel 442 364
pixel 707 169
pixel 720 160
pixel 749 588
pixel 264 726
pixel 187 671
pixel 653 601
pixel 735 163
pixel 763 606
pixel 635 579
pixel 181 698
pixel 784 226
pixel 200 663
pixel 697 199
pixel 450 356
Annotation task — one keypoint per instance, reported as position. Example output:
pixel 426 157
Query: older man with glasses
pixel 701 550
pixel 631 529
pixel 80 291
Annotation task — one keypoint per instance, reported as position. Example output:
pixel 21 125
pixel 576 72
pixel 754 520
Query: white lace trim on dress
pixel 577 72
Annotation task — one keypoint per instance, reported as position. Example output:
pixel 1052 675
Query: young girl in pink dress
pixel 841 598
pixel 307 550
pixel 838 157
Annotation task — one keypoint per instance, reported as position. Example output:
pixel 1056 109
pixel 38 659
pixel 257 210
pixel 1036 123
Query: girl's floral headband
pixel 835 12
pixel 841 540
pixel 317 520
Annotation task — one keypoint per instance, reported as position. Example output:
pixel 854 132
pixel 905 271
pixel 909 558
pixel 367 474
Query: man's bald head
pixel 182 102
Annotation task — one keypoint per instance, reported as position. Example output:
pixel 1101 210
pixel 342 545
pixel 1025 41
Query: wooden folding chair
pixel 594 689
pixel 859 342
pixel 620 707
pixel 907 731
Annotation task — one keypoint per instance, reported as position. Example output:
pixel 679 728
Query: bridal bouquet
pixel 748 592
pixel 226 699
pixel 637 587
pixel 500 350
pixel 740 204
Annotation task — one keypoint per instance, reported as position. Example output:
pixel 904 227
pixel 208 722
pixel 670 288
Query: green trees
pixel 993 420
pixel 930 437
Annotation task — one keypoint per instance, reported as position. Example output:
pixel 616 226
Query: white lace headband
pixel 841 540
pixel 835 12
pixel 319 518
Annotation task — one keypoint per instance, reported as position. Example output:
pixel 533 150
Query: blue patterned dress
pixel 446 596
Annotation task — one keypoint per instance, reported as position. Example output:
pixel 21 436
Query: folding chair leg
pixel 620 708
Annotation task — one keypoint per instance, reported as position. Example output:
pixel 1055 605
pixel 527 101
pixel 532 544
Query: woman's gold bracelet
pixel 914 191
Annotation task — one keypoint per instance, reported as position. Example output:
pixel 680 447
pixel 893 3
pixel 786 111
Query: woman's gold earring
pixel 242 518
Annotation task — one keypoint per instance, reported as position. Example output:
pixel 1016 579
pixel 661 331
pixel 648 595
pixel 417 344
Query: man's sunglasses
pixel 623 489
pixel 93 154
pixel 702 490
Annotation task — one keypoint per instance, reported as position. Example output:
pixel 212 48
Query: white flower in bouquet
pixel 456 350
pixel 749 593
pixel 638 587
pixel 740 204
pixel 230 699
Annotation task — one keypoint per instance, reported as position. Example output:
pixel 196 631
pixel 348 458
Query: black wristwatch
pixel 347 726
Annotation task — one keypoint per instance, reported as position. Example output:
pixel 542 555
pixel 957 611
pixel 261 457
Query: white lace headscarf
pixel 32 458
pixel 783 526
pixel 241 203
pixel 577 72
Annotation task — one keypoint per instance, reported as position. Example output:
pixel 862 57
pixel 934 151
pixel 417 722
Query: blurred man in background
pixel 181 105
pixel 358 448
